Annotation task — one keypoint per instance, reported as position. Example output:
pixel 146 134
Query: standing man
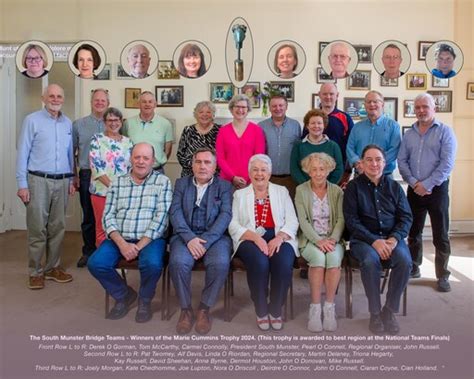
pixel 82 132
pixel 200 214
pixel 425 160
pixel 44 174
pixel 138 59
pixel 378 217
pixel 149 127
pixel 281 133
pixel 376 129
pixel 135 220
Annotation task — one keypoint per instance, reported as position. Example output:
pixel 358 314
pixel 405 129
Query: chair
pixel 350 263
pixel 124 265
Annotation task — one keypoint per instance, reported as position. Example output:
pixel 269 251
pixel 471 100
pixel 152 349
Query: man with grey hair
pixel 150 127
pixel 339 58
pixel 44 171
pixel 376 129
pixel 82 131
pixel 426 160
pixel 138 59
pixel 392 59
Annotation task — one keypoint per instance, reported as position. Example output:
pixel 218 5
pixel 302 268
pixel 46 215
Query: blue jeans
pixel 150 263
pixel 88 221
pixel 370 268
pixel 216 260
pixel 279 268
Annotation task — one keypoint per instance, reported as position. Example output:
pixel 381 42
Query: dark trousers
pixel 279 268
pixel 437 206
pixel 88 221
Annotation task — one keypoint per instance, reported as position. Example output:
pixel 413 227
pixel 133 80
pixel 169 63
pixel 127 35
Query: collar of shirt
pixel 371 183
pixel 433 124
pixel 144 180
pixel 325 139
pixel 60 114
pixel 282 124
pixel 201 189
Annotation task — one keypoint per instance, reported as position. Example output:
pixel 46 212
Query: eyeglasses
pixel 113 120
pixel 33 59
pixel 340 57
pixel 240 106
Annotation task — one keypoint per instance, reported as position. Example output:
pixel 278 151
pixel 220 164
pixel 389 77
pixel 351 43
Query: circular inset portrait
pixel 34 59
pixel 192 59
pixel 444 59
pixel 86 59
pixel 339 59
pixel 139 59
pixel 286 59
pixel 392 59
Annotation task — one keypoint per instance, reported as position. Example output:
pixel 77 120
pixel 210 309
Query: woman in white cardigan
pixel 263 230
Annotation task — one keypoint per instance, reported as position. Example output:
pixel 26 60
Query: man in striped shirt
pixel 135 220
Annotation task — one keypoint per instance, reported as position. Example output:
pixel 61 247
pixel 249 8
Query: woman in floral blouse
pixel 109 157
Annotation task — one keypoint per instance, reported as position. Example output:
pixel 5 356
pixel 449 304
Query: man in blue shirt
pixel 82 132
pixel 426 159
pixel 135 220
pixel 44 171
pixel 378 218
pixel 281 134
pixel 376 129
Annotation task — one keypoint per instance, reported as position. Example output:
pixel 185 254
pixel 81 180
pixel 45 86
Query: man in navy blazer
pixel 200 213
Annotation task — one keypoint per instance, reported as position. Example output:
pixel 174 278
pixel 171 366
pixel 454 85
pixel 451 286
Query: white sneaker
pixel 263 323
pixel 276 322
pixel 329 317
pixel 314 322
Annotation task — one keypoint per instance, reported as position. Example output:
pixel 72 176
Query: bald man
pixel 339 59
pixel 44 175
pixel 138 59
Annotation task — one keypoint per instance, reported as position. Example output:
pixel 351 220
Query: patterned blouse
pixel 108 157
pixel 190 141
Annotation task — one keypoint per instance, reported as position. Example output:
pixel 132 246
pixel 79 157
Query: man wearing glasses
pixel 392 59
pixel 339 58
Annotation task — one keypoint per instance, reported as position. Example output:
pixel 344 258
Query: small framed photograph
pixel 221 93
pixel 404 129
pixel 166 70
pixel 390 107
pixel 250 90
pixel 286 89
pixel 423 47
pixel 120 73
pixel 315 101
pixel 322 77
pixel 105 73
pixel 409 108
pixel 169 96
pixel 322 45
pixel 443 101
pixel 416 81
pixel 470 91
pixel 364 52
pixel 384 82
pixel 132 97
pixel 355 107
pixel 439 82
pixel 359 80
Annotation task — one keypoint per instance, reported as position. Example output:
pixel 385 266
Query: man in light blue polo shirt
pixel 376 129
pixel 44 174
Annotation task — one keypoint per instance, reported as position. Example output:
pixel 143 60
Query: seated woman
pixel 191 62
pixel 34 61
pixel 87 60
pixel 319 207
pixel 263 230
pixel 109 157
pixel 237 142
pixel 202 134
pixel 316 122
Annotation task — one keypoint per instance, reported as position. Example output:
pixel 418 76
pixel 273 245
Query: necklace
pixel 260 229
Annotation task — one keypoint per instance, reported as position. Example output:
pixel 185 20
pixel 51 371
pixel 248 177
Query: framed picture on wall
pixel 322 77
pixel 105 73
pixel 364 52
pixel 322 45
pixel 251 90
pixel 439 82
pixel 169 96
pixel 355 107
pixel 416 81
pixel 359 80
pixel 409 108
pixel 132 97
pixel 221 93
pixel 166 70
pixel 315 101
pixel 443 100
pixel 286 89
pixel 423 47
pixel 470 91
pixel 120 73
pixel 384 82
pixel 390 107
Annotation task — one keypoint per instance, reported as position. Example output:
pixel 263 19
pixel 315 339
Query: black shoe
pixel 121 307
pixel 82 262
pixel 415 272
pixel 443 285
pixel 376 324
pixel 304 274
pixel 144 311
pixel 390 323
